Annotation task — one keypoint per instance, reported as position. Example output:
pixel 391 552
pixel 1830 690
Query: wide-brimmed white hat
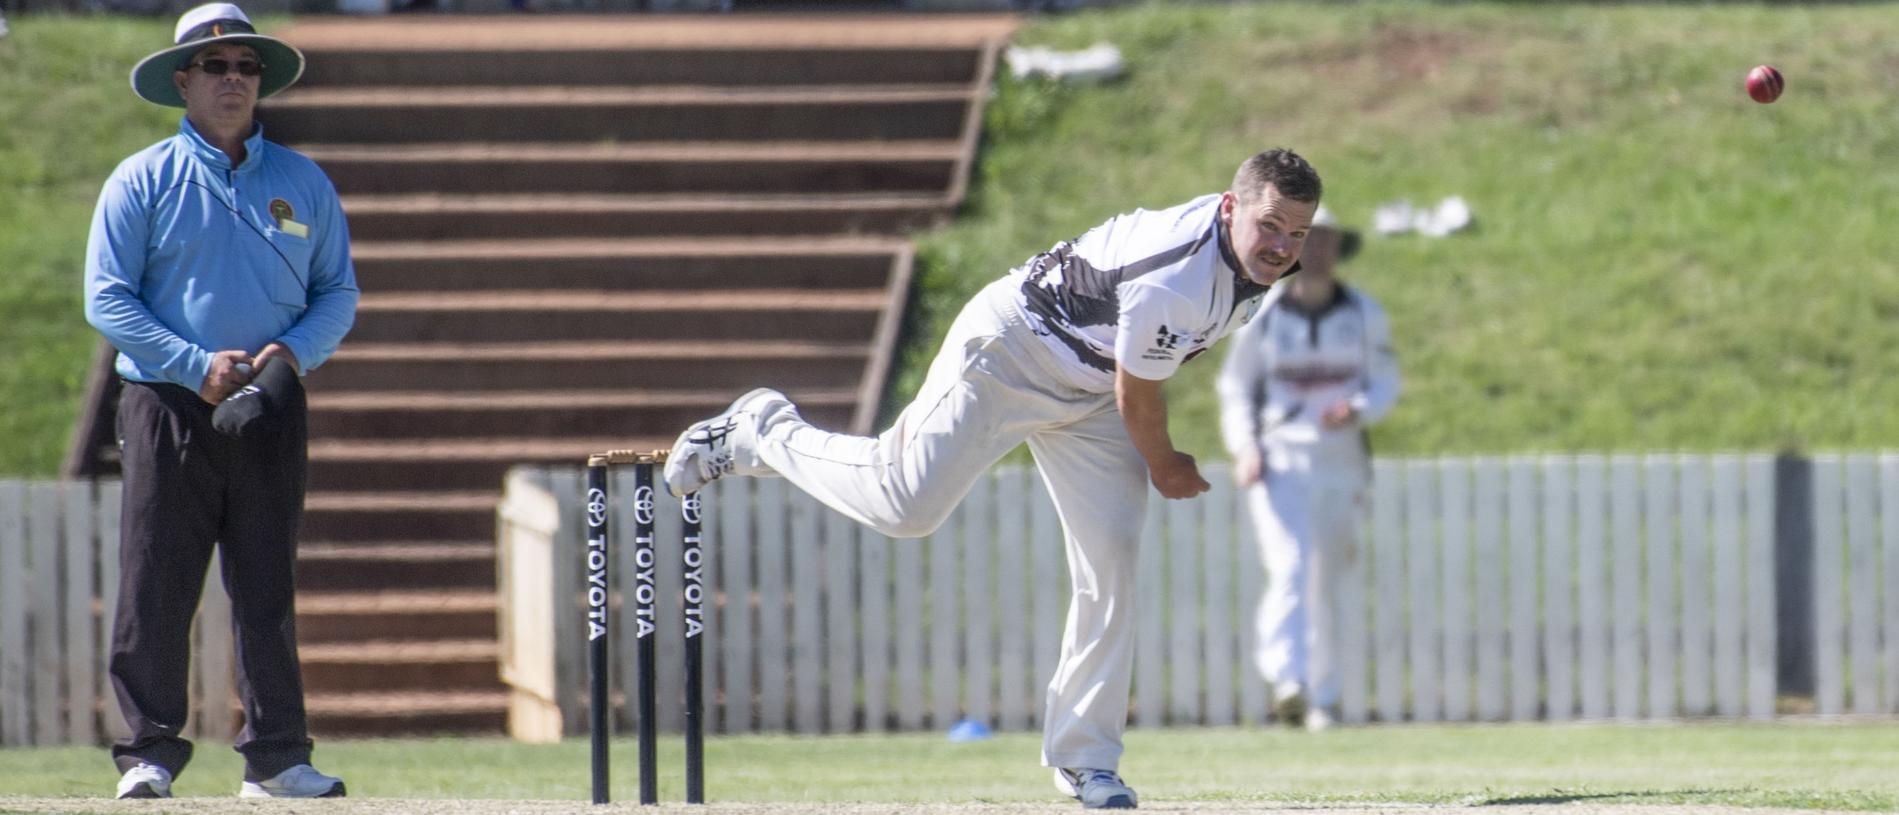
pixel 207 25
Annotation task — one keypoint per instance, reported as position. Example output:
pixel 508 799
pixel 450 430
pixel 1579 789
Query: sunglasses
pixel 220 67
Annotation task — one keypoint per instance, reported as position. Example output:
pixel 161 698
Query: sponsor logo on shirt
pixel 1166 343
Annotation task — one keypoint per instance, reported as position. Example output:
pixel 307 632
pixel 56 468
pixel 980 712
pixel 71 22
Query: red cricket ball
pixel 1765 84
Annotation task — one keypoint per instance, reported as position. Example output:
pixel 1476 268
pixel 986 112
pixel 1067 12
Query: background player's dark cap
pixel 1349 239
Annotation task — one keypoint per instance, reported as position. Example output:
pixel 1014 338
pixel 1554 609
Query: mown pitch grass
pixel 1808 766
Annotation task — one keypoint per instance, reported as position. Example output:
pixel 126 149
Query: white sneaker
pixel 301 781
pixel 1096 789
pixel 1318 720
pixel 1289 703
pixel 145 781
pixel 714 448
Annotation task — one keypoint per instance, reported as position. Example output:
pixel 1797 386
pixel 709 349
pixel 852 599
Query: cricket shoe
pixel 145 781
pixel 301 781
pixel 1095 789
pixel 1289 704
pixel 724 444
pixel 1318 720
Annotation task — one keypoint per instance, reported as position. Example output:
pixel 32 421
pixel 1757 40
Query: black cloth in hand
pixel 260 407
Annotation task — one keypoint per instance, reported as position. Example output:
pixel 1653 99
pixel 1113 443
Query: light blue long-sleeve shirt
pixel 189 256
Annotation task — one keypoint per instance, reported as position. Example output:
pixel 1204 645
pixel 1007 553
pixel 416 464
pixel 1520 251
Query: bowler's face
pixel 1268 232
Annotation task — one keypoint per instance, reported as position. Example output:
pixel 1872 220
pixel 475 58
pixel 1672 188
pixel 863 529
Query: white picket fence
pixel 59 580
pixel 1856 577
pixel 1524 588
pixel 1564 587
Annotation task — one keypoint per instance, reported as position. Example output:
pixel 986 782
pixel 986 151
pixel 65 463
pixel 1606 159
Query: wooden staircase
pixel 574 234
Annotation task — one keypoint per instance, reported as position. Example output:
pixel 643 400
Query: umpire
pixel 218 265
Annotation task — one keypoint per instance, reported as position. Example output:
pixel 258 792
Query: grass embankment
pixel 1658 263
pixel 67 117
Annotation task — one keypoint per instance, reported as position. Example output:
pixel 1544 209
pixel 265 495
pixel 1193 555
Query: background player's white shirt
pixel 1290 363
pixel 1147 290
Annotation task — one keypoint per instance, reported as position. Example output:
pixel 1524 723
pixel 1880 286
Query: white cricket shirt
pixel 1148 290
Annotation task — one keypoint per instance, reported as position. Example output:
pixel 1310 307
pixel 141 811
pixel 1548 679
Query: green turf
pixel 1798 765
pixel 1658 262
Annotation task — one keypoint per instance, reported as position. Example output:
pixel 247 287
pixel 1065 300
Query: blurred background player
pixel 1300 384
pixel 1068 353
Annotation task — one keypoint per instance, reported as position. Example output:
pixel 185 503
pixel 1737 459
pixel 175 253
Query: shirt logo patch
pixel 1166 344
pixel 280 210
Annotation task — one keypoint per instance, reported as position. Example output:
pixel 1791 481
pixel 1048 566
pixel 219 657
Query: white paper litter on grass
pixel 1398 217
pixel 1392 218
pixel 1451 215
pixel 1096 63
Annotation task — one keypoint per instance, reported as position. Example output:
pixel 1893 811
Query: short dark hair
pixel 1282 168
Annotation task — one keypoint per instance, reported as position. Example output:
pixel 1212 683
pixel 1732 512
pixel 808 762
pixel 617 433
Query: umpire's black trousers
pixel 190 489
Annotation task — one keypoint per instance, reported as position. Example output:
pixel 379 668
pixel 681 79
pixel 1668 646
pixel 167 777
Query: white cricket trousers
pixel 1306 523
pixel 992 386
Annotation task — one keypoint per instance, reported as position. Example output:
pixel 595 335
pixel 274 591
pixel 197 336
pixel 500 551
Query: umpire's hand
pixel 225 376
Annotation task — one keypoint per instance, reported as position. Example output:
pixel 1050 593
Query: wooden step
pixel 551 413
pixel 477 463
pixel 402 474
pixel 408 473
pixel 443 501
pixel 744 153
pixel 793 367
pixel 326 616
pixel 834 316
pixel 381 565
pixel 807 262
pixel 401 665
pixel 531 450
pixel 432 217
pixel 710 64
pixel 388 514
pixel 571 98
pixel 406 713
pixel 655 31
pixel 808 168
pixel 382 115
